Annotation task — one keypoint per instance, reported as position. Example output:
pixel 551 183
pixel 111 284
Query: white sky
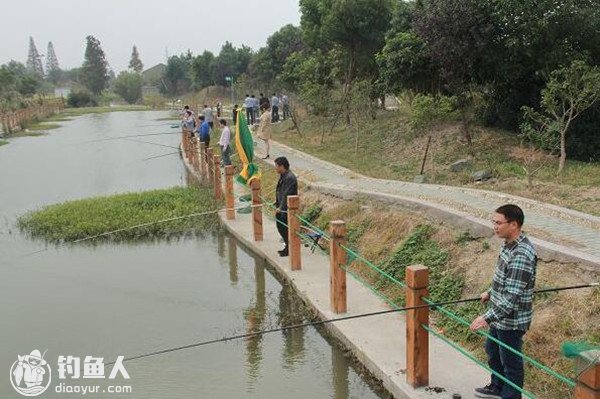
pixel 152 25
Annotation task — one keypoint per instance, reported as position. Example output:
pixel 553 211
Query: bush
pixel 427 109
pixel 81 98
pixel 128 85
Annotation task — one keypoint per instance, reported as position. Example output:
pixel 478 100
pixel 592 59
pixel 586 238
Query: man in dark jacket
pixel 287 185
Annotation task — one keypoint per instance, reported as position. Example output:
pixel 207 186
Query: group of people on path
pixel 203 125
pixel 254 105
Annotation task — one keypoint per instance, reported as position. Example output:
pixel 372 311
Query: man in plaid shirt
pixel 511 298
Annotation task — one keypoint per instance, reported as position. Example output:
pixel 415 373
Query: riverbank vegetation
pixel 76 220
pixel 462 267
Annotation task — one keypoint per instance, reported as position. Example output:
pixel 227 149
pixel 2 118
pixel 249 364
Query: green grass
pixel 43 126
pixel 3 142
pixel 78 219
pixel 389 149
pixel 449 256
pixel 103 110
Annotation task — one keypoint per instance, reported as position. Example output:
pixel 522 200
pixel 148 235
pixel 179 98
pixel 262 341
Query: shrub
pixel 81 98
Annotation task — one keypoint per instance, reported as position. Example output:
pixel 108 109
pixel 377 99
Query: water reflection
pixel 233 260
pixel 340 371
pixel 255 319
pixel 291 312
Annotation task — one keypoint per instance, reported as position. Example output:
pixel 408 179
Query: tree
pixel 570 91
pixel 201 70
pixel 94 72
pixel 128 85
pixel 176 75
pixel 352 31
pixel 135 64
pixel 404 64
pixel 231 61
pixel 34 60
pixel 460 36
pixel 53 71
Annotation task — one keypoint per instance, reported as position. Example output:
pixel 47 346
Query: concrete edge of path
pixel 378 345
pixel 477 227
pixel 554 210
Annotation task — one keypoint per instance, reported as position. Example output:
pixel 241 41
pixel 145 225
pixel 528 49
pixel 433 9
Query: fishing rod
pixel 126 137
pixel 160 156
pixel 149 142
pixel 433 306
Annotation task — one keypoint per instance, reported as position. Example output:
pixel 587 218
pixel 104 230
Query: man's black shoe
pixel 283 252
pixel 488 391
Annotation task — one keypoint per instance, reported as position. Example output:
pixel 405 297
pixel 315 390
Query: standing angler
pixel 287 185
pixel 510 311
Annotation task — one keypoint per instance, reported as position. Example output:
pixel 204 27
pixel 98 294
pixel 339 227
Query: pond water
pixel 105 299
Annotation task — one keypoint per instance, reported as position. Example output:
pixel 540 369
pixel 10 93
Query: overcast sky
pixel 155 27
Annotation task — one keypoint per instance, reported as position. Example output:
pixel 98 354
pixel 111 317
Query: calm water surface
pixel 106 300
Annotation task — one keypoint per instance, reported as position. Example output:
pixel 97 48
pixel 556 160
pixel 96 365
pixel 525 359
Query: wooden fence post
pixel 209 164
pixel 217 176
pixel 293 203
pixel 257 225
pixel 229 201
pixel 417 338
pixel 337 279
pixel 198 155
pixel 203 164
pixel 588 383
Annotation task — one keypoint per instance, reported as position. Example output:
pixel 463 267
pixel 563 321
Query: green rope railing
pixel 473 358
pixel 315 228
pixel 534 362
pixel 381 295
pixel 372 266
pixel 448 313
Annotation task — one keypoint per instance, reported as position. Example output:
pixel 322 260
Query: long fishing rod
pixel 334 320
pixel 160 156
pixel 151 143
pixel 126 137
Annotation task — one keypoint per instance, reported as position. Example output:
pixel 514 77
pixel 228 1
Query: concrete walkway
pixel 559 233
pixel 379 342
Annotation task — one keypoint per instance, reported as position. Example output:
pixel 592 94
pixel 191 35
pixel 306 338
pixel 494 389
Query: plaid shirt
pixel 511 295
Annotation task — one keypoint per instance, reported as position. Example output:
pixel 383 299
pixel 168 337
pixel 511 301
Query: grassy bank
pixel 75 220
pixel 68 112
pixel 390 149
pixel 462 267
pixel 3 142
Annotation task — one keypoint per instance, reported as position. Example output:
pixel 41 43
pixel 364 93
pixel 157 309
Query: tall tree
pixel 94 72
pixel 52 68
pixel 34 60
pixel 129 86
pixel 177 73
pixel 135 64
pixel 201 70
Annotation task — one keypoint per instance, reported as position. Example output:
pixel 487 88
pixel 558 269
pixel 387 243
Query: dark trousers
pixel 274 114
pixel 281 221
pixel 250 115
pixel 286 112
pixel 505 362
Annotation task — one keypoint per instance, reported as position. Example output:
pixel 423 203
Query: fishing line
pixel 433 306
pixel 126 137
pixel 151 143
pixel 107 233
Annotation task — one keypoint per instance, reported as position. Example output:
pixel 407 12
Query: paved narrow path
pixel 562 234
